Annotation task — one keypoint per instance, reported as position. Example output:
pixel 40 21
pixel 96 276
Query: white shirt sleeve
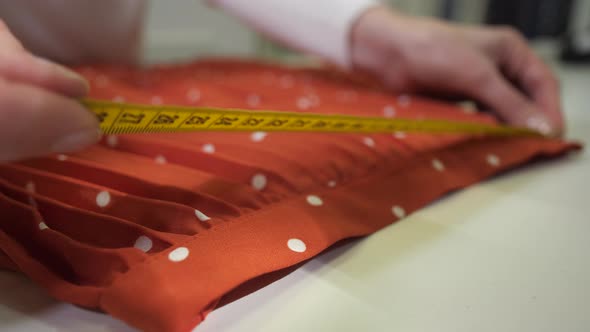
pixel 319 27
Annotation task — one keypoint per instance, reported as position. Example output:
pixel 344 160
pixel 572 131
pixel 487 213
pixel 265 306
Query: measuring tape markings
pixel 122 118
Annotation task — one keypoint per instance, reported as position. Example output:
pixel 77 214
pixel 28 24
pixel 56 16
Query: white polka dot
pixel 201 216
pixel 43 226
pixel 103 198
pixel 112 140
pixel 157 100
pixel 403 100
pixel 208 148
pixel 253 100
pixel 296 245
pixel 62 157
pixel 368 141
pixel 332 184
pixel 303 103
pixel 101 81
pixel 160 159
pixel 178 255
pixel 286 82
pixel 30 187
pixel 314 200
pixel 258 136
pixel 493 160
pixel 193 95
pixel 399 135
pixel 389 111
pixel 398 211
pixel 468 107
pixel 258 181
pixel 119 99
pixel 438 165
pixel 143 243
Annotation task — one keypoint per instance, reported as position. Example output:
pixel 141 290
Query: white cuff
pixel 319 27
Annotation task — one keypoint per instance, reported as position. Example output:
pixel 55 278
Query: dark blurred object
pixel 576 47
pixel 576 43
pixel 534 18
pixel 448 9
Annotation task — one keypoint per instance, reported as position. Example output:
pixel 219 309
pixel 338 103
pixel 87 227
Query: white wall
pixel 177 29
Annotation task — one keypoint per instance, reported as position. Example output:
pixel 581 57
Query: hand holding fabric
pixel 491 65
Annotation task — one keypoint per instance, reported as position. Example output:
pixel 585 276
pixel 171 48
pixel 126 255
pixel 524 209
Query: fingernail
pixel 540 123
pixel 77 140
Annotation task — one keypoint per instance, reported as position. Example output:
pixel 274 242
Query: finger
pixel 35 122
pixel 523 66
pixel 483 83
pixel 19 65
pixel 496 92
pixel 7 39
pixel 26 68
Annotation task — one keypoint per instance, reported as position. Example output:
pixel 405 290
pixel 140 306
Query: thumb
pixel 36 122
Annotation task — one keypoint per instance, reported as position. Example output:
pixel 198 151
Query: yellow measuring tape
pixel 123 118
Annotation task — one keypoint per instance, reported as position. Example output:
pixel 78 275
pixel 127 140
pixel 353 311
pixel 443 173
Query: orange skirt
pixel 160 229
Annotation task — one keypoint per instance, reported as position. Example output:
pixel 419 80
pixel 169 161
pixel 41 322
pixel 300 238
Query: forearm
pixel 322 28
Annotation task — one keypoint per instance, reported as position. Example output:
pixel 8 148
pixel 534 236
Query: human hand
pixel 493 66
pixel 38 111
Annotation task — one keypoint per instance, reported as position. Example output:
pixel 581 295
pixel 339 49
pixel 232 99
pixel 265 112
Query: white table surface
pixel 510 254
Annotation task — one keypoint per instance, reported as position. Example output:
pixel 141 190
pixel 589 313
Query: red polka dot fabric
pixel 160 229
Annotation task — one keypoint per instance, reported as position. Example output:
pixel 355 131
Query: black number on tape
pixel 277 123
pixel 101 116
pixel 299 123
pixel 252 122
pixel 320 124
pixel 197 120
pixel 131 118
pixel 225 121
pixel 165 119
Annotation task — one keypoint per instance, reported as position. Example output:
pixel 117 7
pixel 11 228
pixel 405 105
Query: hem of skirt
pixel 257 243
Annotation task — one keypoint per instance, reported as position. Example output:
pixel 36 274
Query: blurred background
pixel 559 29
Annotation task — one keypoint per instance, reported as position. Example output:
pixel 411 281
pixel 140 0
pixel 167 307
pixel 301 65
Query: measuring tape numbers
pixel 123 118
